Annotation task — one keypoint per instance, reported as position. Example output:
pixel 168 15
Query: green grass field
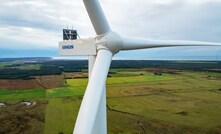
pixel 3 64
pixel 138 102
pixel 29 67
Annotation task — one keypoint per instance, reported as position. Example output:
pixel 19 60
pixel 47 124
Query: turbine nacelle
pixel 79 47
pixel 90 46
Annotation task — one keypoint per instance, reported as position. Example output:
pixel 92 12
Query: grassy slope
pixel 188 100
pixel 61 114
pixel 170 103
pixel 6 95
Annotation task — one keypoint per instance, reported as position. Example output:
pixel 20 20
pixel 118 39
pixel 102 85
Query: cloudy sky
pixel 30 28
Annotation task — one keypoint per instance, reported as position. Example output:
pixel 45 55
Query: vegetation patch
pixel 51 81
pixel 19 84
pixel 184 113
pixel 72 75
pixel 6 95
pixel 17 118
pixel 143 91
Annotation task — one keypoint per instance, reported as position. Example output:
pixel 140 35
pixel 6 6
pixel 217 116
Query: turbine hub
pixel 110 41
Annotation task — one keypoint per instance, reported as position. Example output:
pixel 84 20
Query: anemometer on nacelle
pixel 72 46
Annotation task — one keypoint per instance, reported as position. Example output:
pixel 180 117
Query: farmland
pixel 139 100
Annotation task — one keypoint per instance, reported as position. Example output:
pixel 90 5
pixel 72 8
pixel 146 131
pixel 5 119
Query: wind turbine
pixel 92 114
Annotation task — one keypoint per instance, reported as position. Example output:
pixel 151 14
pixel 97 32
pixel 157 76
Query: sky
pixel 32 28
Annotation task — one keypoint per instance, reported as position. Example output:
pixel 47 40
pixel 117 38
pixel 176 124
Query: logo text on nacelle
pixel 68 47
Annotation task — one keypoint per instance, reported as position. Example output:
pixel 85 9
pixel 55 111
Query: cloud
pixel 31 24
pixel 16 37
pixel 174 20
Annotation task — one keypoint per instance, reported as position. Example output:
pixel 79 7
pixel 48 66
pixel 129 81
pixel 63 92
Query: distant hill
pixel 26 68
pixel 25 59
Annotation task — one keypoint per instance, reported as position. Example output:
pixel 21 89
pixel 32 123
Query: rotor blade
pixel 130 44
pixel 97 16
pixel 90 103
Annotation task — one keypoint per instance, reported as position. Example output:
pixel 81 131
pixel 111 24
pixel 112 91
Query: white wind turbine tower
pixel 100 49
